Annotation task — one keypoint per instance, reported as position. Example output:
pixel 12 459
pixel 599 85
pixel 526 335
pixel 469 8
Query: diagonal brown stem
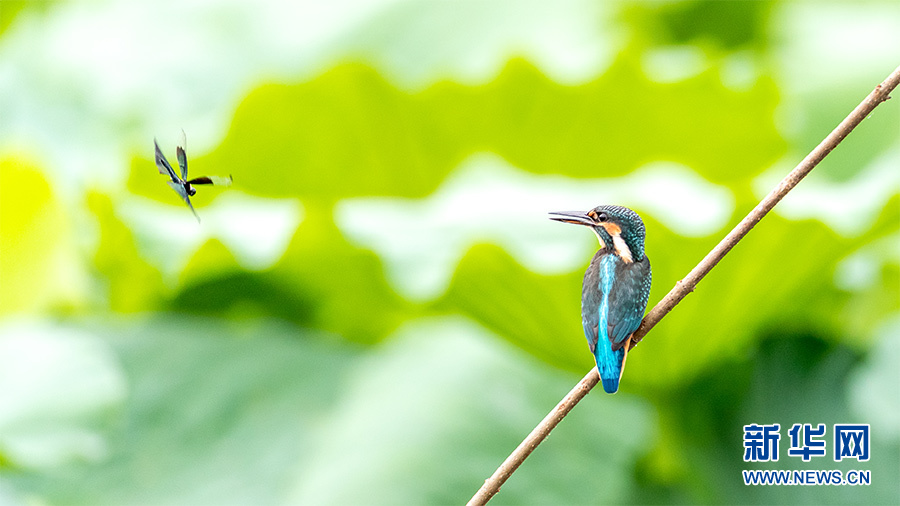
pixel 685 286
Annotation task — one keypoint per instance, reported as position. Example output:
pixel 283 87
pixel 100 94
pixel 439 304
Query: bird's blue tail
pixel 609 365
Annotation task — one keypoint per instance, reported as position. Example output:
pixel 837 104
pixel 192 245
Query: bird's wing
pixel 591 299
pixel 213 180
pixel 182 155
pixel 179 189
pixel 590 329
pixel 628 300
pixel 162 165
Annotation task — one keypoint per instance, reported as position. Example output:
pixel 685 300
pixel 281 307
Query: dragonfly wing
pixel 213 180
pixel 162 165
pixel 179 189
pixel 182 155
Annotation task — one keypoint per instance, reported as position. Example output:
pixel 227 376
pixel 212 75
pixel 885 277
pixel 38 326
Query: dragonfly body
pixel 181 184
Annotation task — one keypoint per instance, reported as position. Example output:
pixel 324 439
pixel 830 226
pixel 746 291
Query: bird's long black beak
pixel 574 217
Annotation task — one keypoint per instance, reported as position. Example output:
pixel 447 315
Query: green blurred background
pixel 378 310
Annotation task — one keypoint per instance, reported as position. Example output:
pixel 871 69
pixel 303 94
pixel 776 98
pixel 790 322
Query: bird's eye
pixel 602 217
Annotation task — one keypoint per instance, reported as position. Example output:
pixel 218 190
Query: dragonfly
pixel 182 185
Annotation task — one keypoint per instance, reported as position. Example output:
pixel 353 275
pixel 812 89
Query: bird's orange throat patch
pixel 621 248
pixel 612 228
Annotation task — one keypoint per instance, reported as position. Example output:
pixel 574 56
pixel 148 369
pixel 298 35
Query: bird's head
pixel 617 227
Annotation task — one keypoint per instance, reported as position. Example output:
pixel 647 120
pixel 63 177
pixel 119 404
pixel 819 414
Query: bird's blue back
pixel 614 297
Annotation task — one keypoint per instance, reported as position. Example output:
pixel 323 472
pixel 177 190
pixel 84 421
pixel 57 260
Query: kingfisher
pixel 616 286
pixel 182 185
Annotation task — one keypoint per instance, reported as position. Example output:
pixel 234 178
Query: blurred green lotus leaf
pixel 259 412
pixel 772 382
pixel 350 133
pixel 132 284
pixel 321 281
pixel 237 406
pixel 447 403
pixel 38 261
pixel 58 389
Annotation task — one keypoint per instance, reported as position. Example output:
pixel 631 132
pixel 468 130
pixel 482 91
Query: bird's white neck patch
pixel 622 249
pixel 619 245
